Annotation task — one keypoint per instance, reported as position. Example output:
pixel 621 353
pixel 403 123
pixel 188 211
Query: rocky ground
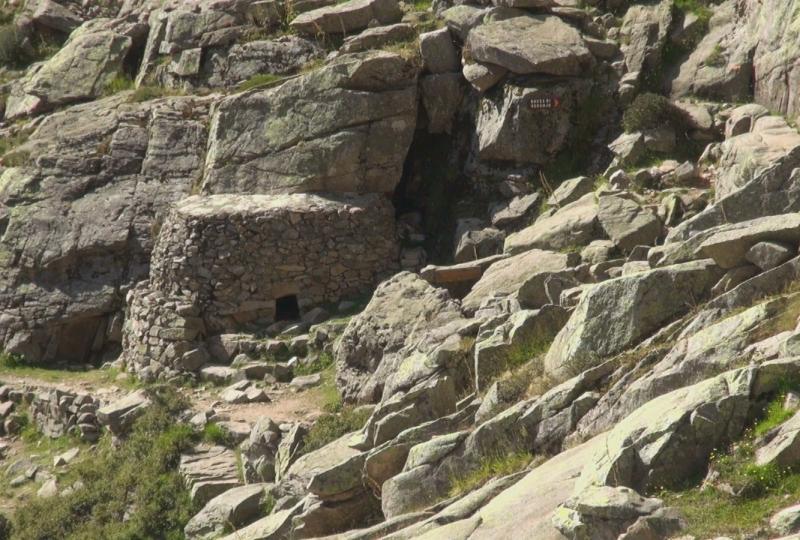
pixel 387 269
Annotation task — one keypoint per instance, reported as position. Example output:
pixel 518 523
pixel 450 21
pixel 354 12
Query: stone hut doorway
pixel 287 308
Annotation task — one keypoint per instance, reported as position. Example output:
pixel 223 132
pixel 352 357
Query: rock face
pixel 81 215
pixel 716 69
pixel 613 315
pixel 241 62
pixel 314 261
pixel 344 128
pixel 697 353
pixel 534 44
pixel 668 438
pixel 744 156
pixel 774 190
pixel 744 50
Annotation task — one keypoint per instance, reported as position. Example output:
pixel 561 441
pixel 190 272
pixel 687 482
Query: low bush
pixel 130 492
pixel 118 84
pixel 649 111
pixel 215 434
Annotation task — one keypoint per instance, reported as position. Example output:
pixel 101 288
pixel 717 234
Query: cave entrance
pixel 287 308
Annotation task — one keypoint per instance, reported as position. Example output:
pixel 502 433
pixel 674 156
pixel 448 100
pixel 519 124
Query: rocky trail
pixel 394 269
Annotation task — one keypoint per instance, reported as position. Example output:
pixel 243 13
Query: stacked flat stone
pixel 233 255
pixel 56 412
pixel 162 333
pixel 222 261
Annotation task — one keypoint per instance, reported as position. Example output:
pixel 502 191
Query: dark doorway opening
pixel 287 308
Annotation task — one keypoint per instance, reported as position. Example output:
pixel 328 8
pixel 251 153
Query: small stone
pixel 306 381
pixel 66 457
pixel 768 255
pixel 48 489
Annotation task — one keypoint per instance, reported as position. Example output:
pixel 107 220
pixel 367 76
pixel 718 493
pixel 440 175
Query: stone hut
pixel 226 263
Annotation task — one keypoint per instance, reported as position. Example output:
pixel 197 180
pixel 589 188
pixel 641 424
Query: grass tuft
pixel 490 467
pixel 322 362
pixel 257 81
pixel 118 84
pixel 213 433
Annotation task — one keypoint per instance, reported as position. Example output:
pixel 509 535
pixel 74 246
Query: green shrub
pixel 715 57
pixel 10 361
pixel 695 7
pixel 649 111
pixel 760 490
pixel 130 492
pixel 214 434
pixel 118 84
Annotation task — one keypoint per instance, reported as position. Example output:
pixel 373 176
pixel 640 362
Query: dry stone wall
pixel 224 263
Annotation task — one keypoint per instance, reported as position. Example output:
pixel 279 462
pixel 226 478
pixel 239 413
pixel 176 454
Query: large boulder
pixel 609 513
pixel 743 157
pixel 233 508
pixel 522 278
pixel 402 312
pixel 209 471
pixel 531 123
pixel 644 32
pixel 729 248
pixel 774 190
pixel 573 225
pixel 627 223
pixel 616 314
pixel 347 17
pixel 118 416
pixel 81 70
pixel 530 44
pixel 784 448
pixel 344 128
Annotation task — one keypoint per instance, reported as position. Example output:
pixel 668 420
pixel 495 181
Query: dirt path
pixel 286 405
